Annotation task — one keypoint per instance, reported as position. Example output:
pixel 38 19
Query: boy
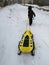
pixel 31 14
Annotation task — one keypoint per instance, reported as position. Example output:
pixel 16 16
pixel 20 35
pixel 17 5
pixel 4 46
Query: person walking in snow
pixel 31 14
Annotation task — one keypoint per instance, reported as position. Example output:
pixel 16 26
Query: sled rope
pixel 27 24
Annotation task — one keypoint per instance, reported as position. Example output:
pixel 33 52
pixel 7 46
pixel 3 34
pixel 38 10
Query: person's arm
pixel 34 14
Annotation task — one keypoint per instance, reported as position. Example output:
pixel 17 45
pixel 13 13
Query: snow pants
pixel 30 21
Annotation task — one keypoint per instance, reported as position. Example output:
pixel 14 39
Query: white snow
pixel 13 22
pixel 45 7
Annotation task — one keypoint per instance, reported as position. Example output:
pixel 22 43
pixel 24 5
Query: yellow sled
pixel 26 44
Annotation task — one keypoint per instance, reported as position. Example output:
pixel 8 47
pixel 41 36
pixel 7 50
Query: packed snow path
pixel 13 21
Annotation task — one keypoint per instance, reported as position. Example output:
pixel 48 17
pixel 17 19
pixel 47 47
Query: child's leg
pixel 30 21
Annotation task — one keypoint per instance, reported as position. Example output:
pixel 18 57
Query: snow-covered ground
pixel 13 22
pixel 45 7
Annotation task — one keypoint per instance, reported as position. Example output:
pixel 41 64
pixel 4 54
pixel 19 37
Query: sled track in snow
pixel 43 41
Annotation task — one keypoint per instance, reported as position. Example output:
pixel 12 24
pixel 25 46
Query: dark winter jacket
pixel 30 12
